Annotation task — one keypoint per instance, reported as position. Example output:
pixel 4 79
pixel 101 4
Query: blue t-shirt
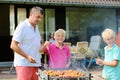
pixel 112 73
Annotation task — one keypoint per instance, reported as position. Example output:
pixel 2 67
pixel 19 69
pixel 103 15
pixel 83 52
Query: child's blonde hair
pixel 60 31
pixel 108 33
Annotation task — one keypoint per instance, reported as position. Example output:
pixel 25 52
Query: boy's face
pixel 59 38
pixel 109 41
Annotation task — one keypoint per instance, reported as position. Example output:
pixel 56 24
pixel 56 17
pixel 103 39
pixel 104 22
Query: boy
pixel 59 54
pixel 111 69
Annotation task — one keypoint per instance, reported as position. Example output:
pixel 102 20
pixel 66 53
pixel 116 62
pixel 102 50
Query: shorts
pixel 26 73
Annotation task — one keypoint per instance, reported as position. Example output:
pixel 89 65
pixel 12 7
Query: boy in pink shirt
pixel 59 54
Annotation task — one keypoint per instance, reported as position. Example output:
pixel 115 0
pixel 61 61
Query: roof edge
pixel 59 4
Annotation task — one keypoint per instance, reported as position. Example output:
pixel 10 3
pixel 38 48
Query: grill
pixel 64 74
pixel 76 71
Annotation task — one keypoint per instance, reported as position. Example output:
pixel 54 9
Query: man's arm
pixel 14 46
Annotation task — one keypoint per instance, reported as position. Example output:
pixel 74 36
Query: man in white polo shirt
pixel 26 45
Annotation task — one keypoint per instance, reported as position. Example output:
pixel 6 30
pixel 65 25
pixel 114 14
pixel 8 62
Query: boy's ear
pixel 118 39
pixel 54 36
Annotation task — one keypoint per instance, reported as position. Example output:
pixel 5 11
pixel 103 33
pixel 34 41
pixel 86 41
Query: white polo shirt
pixel 29 41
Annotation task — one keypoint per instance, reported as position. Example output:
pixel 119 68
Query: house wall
pixel 6 54
pixel 4 20
pixel 60 17
pixel 60 22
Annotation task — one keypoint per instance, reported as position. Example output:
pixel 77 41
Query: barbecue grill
pixel 63 74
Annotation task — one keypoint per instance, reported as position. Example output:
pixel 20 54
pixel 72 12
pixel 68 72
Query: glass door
pixel 21 16
pixel 49 22
pixel 22 13
pixel 46 27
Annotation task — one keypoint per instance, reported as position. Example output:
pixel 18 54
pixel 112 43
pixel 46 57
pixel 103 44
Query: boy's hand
pixel 47 43
pixel 99 61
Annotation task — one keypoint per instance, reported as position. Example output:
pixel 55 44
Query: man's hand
pixel 31 59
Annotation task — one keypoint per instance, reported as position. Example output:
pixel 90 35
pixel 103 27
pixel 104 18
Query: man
pixel 26 45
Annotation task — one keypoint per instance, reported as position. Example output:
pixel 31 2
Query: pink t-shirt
pixel 58 58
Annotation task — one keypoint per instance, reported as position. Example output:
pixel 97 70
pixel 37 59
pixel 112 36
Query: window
pixel 82 23
pixel 21 14
pixel 50 22
pixel 12 19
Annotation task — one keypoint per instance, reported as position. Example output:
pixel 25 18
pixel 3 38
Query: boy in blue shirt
pixel 111 69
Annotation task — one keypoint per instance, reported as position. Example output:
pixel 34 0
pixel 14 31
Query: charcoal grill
pixel 43 76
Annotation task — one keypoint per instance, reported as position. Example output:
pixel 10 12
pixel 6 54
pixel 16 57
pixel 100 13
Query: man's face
pixel 36 18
